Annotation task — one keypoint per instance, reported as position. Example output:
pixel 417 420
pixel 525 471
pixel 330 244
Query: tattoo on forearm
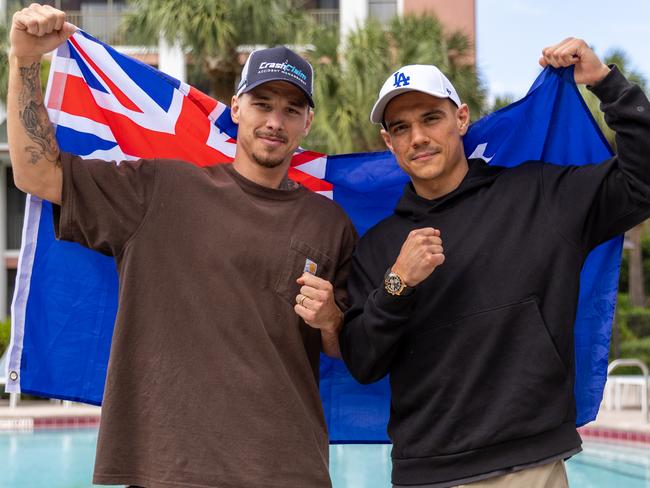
pixel 33 115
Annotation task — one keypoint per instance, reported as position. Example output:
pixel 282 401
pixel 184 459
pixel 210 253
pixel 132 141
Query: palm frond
pixel 346 91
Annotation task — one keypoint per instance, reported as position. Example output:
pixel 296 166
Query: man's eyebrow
pixel 435 111
pixel 298 102
pixel 260 95
pixel 263 95
pixel 393 123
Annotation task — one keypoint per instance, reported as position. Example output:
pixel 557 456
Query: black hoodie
pixel 481 356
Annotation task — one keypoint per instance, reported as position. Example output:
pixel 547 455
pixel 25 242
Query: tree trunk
pixel 637 292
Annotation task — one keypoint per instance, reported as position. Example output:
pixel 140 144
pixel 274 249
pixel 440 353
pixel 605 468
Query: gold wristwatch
pixel 394 284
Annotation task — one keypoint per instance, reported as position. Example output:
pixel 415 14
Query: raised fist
pixel 37 30
pixel 589 69
pixel 421 253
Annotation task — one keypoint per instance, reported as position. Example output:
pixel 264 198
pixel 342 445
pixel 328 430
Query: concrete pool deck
pixel 30 415
pixel 626 425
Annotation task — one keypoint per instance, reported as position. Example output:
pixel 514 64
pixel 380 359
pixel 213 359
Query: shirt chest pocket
pixel 301 257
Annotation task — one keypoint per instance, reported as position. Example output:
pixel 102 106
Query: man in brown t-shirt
pixel 213 374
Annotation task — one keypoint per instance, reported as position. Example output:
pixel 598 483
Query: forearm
pixel 33 148
pixel 330 339
pixel 372 333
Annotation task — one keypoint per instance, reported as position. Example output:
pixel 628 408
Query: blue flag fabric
pixel 66 296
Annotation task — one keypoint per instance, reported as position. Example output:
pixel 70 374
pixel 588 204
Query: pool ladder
pixel 644 385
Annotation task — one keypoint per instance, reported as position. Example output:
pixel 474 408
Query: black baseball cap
pixel 277 64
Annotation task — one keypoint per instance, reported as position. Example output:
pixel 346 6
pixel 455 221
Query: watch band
pixel 394 284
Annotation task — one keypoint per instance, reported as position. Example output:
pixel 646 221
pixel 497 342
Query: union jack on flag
pixel 142 117
pixel 106 105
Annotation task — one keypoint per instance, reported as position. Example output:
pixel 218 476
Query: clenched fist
pixel 315 304
pixel 589 69
pixel 37 30
pixel 421 253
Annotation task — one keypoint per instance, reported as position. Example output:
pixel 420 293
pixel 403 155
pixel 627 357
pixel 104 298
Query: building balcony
pixel 102 23
pixel 325 16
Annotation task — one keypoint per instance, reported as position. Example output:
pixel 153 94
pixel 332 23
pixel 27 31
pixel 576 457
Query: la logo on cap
pixel 401 79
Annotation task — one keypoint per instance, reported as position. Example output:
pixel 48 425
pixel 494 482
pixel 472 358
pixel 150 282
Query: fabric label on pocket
pixel 310 267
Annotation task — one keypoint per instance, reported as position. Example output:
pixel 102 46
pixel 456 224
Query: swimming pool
pixel 64 459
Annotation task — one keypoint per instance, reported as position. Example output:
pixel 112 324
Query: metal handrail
pixel 324 16
pixel 646 384
pixel 102 23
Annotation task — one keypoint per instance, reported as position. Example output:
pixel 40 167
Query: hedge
pixel 5 334
pixel 633 326
pixel 637 349
pixel 624 282
pixel 638 321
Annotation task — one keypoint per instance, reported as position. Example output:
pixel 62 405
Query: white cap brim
pixel 377 112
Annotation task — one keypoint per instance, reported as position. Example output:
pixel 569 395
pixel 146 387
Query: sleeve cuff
pixel 394 303
pixel 62 214
pixel 609 88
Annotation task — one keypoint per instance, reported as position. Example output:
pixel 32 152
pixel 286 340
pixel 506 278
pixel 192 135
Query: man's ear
pixel 234 109
pixel 386 137
pixel 310 119
pixel 463 119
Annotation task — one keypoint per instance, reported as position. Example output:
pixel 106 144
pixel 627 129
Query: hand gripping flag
pixel 106 105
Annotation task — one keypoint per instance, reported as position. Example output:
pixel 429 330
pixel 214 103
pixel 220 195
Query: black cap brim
pixel 278 78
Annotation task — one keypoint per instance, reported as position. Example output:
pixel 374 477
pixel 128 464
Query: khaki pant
pixel 551 475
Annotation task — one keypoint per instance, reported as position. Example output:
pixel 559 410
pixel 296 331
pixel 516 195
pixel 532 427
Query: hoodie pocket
pixel 486 378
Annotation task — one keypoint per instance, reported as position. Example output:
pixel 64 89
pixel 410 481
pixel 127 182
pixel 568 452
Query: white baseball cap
pixel 424 78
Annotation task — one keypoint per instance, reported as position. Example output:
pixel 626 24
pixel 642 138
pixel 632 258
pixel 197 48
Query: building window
pixel 320 4
pixel 15 213
pixel 382 10
pixel 327 4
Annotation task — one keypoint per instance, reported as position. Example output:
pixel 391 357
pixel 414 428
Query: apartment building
pixel 455 15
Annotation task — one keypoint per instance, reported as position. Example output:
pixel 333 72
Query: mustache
pixel 428 151
pixel 272 135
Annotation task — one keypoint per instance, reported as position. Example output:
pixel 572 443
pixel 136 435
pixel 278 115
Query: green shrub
pixel 633 334
pixel 622 333
pixel 623 309
pixel 5 334
pixel 623 302
pixel 624 284
pixel 637 349
pixel 633 322
pixel 638 322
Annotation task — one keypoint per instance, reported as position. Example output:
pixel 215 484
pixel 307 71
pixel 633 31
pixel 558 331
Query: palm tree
pixel 636 281
pixel 212 30
pixel 501 101
pixel 346 85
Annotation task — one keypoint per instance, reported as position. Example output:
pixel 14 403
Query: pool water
pixel 64 459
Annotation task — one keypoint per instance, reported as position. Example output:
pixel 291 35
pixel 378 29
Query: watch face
pixel 393 283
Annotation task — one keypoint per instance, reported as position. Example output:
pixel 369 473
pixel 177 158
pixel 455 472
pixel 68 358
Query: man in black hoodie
pixel 480 352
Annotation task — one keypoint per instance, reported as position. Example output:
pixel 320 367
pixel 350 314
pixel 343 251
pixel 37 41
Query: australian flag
pixel 106 105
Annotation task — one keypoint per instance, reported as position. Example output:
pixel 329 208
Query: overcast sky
pixel 511 34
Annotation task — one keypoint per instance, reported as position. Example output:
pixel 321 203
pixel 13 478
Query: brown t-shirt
pixel 213 378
